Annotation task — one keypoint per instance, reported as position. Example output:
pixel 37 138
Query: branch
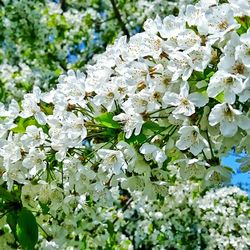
pixel 119 18
pixel 63 5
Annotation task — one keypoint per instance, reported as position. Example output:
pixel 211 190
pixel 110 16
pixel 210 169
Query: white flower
pixel 138 102
pixel 129 153
pixel 152 152
pixel 180 64
pixel 72 86
pixel 228 83
pixel 112 161
pixel 191 138
pixel 195 16
pixel 143 44
pixel 241 7
pixel 172 26
pixel 243 51
pixel 34 161
pixel 216 175
pixel 187 40
pixel 33 137
pixel 229 118
pixel 220 20
pixel 29 195
pixel 10 151
pixel 132 123
pixel 192 168
pixel 106 96
pixel 200 57
pixel 184 101
pixel 31 108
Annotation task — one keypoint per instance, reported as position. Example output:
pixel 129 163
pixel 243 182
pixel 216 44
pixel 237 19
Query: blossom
pixel 228 118
pixel 132 123
pixel 184 101
pixel 35 161
pixel 192 139
pixel 242 51
pixel 228 83
pixel 33 137
pixel 113 161
pixel 165 86
pixel 220 20
pixel 152 152
pixel 30 107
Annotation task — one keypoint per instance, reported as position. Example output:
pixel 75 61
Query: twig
pixel 119 18
pixel 63 5
pixel 210 145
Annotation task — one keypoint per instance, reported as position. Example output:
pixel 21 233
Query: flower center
pixel 184 102
pixel 239 68
pixel 229 80
pixel 229 114
pixel 223 25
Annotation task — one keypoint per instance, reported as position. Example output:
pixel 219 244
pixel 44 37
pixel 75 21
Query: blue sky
pixel 238 179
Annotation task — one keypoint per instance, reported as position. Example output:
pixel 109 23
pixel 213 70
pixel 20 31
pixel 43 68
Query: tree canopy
pixel 122 149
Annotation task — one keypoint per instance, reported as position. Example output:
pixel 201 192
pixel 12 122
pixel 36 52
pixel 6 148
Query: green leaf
pixel 27 229
pixel 244 21
pixel 220 97
pixel 106 120
pixel 12 221
pixel 23 123
pixel 152 126
pixel 5 195
pixel 110 227
pixel 136 139
pixel 121 136
pixel 44 207
pixel 244 164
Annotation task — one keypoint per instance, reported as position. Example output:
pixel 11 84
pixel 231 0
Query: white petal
pixel 184 142
pixel 228 129
pixel 184 90
pixel 198 99
pixel 171 98
pixel 196 148
pixel 216 114
pixel 229 96
pixel 244 122
pixel 214 89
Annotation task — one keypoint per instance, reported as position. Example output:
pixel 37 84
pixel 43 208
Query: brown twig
pixel 119 18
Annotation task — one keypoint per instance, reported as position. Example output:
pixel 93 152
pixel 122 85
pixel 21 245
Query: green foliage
pixel 26 229
pixel 23 123
pixel 244 22
pixel 106 120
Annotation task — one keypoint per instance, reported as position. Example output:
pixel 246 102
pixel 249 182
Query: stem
pixel 172 131
pixel 43 230
pixel 159 117
pixel 124 208
pixel 89 156
pixel 63 5
pixel 159 110
pixel 210 145
pixel 204 155
pixel 119 18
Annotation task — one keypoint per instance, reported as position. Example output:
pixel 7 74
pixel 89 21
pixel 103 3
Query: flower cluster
pixel 40 40
pixel 168 102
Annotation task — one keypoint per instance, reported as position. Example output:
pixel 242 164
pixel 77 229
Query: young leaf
pixel 106 120
pixel 12 221
pixel 5 195
pixel 23 123
pixel 27 229
pixel 152 126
